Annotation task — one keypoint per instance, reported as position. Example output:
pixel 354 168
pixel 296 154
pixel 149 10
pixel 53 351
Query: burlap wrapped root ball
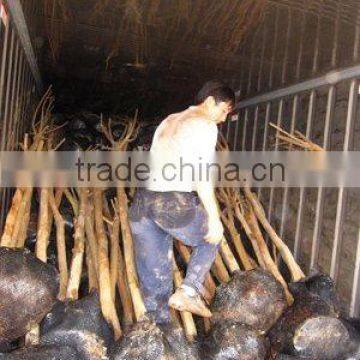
pixel 253 298
pixel 28 290
pixel 231 340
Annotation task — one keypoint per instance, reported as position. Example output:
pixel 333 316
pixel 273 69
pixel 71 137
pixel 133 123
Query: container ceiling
pixel 81 36
pixel 161 44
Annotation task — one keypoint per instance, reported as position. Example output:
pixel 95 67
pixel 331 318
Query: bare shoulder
pixel 187 123
pixel 198 124
pixel 168 127
pixel 190 116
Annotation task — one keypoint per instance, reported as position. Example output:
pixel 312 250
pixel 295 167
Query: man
pixel 185 208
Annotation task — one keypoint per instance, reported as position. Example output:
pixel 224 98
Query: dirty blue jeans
pixel 155 219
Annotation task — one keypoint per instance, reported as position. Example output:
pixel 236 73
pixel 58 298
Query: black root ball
pixel 232 341
pixel 321 338
pixel 307 305
pixel 79 325
pixel 42 353
pixel 146 341
pixel 287 357
pixel 28 290
pixel 253 298
pixel 323 286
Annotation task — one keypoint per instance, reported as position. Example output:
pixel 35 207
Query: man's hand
pixel 215 231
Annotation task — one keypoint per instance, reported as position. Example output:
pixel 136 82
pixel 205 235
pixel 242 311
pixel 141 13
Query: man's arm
pixel 206 194
pixel 202 142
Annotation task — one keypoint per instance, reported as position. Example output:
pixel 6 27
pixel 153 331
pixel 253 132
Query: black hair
pixel 218 90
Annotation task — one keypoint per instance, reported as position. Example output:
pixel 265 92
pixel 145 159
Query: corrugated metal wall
pixel 20 83
pixel 292 45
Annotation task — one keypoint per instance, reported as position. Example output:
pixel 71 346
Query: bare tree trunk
pixel 107 304
pixel 228 256
pixel 138 303
pixel 269 262
pixel 24 228
pixel 124 291
pixel 78 250
pixel 286 254
pixel 93 281
pixel 251 237
pixel 239 247
pixel 90 235
pixel 219 270
pixel 21 219
pixel 43 231
pixel 11 218
pixel 61 246
pixel 114 254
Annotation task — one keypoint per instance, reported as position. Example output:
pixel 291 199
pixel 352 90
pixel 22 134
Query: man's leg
pixel 201 260
pixel 153 253
pixel 203 254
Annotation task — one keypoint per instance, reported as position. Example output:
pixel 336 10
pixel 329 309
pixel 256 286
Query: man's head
pixel 217 99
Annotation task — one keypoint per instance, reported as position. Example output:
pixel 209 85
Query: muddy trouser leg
pixel 153 254
pixel 202 258
pixel 203 254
